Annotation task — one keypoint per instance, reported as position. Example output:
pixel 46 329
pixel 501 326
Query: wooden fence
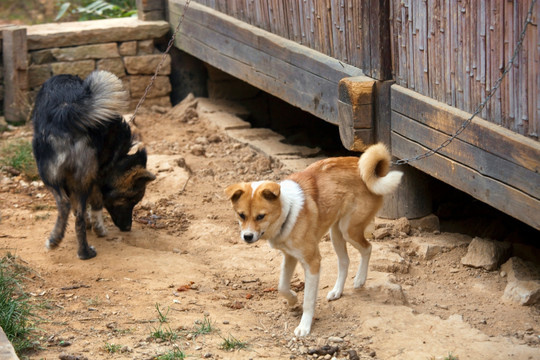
pixel 455 50
pixel 355 32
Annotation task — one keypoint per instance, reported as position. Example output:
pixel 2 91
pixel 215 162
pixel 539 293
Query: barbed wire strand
pixel 163 57
pixel 482 105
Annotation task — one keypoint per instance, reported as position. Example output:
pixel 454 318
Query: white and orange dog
pixel 340 195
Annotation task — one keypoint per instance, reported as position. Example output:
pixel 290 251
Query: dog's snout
pixel 248 237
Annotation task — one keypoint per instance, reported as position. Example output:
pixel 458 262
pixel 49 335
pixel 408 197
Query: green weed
pixel 203 327
pixel 17 156
pixel 17 316
pixel 165 334
pixel 174 354
pixel 231 343
pixel 112 348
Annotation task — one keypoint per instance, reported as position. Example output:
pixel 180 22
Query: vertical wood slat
pixel 476 39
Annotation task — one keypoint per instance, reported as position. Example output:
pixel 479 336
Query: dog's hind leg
pixel 63 206
pixel 284 287
pixel 355 236
pixel 79 204
pixel 340 246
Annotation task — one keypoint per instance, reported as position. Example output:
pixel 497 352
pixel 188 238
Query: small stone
pixel 381 233
pixel 202 140
pixel 335 339
pixel 403 225
pixel 198 150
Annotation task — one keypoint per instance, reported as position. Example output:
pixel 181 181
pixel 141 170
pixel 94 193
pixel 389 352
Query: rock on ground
pixel 486 254
pixel 523 282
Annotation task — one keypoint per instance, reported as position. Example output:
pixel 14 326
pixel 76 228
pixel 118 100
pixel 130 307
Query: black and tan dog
pixel 82 149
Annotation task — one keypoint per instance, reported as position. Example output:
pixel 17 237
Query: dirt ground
pixel 185 258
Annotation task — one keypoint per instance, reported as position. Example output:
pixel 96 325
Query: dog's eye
pixel 259 217
pixel 242 216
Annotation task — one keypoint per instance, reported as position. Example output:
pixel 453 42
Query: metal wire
pixel 483 104
pixel 163 57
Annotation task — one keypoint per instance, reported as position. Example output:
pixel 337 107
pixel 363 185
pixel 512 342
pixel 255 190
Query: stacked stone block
pixel 125 47
pixel 132 61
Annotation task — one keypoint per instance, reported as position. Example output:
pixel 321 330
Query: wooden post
pixel 15 51
pixel 412 199
pixel 355 112
pixel 151 10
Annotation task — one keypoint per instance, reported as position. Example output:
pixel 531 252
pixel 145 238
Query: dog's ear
pixel 143 176
pixel 271 191
pixel 234 191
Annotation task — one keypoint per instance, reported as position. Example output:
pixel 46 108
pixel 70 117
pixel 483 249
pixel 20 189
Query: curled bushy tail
pixel 107 100
pixel 374 165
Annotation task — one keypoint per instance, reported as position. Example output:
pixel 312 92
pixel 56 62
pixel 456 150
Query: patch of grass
pixel 17 316
pixel 162 318
pixel 203 327
pixel 17 156
pixel 162 332
pixel 112 348
pixel 95 301
pixel 174 354
pixel 231 343
pixel 165 334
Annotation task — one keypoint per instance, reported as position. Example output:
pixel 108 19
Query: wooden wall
pixel 453 51
pixel 355 32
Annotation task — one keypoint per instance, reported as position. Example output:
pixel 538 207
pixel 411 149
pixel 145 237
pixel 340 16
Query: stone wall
pixel 125 47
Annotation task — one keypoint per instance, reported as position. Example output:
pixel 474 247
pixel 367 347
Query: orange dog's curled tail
pixel 374 165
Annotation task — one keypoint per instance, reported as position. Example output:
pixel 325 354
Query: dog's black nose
pixel 248 237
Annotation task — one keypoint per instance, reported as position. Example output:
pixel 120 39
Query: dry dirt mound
pixel 183 259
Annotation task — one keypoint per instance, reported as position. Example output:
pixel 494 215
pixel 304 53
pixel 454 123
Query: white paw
pixel 100 231
pixel 301 330
pixel 333 295
pixel 291 297
pixel 358 283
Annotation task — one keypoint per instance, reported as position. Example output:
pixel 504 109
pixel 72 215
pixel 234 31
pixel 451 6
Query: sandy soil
pixel 184 257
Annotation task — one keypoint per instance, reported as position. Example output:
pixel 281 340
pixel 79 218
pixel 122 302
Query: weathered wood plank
pixel 471 156
pixel 15 53
pixel 495 139
pixel 297 74
pixel 273 45
pixel 505 198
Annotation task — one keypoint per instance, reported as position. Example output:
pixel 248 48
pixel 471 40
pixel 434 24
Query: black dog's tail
pixel 107 99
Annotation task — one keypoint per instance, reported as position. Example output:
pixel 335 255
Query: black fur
pixel 81 146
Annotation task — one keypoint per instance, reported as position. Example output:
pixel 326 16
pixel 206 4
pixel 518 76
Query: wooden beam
pixel 469 155
pixel 480 133
pixel 355 112
pixel 499 195
pixel 299 75
pixel 15 54
pixel 488 162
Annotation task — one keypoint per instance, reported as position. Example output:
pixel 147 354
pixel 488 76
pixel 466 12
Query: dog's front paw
pixel 290 296
pixel 333 295
pixel 51 243
pixel 359 281
pixel 100 231
pixel 87 253
pixel 301 330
